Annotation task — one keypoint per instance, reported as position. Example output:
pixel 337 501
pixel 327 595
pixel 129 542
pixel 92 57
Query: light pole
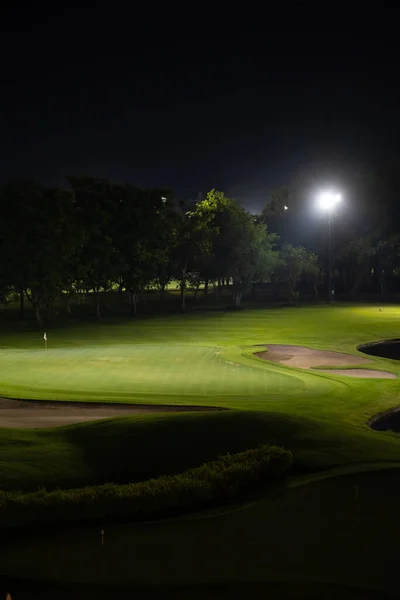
pixel 327 202
pixel 283 214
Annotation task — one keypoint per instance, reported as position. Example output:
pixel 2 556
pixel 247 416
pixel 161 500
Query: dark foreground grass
pixel 296 590
pixel 342 532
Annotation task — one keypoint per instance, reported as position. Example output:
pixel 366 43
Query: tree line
pixel 366 236
pixel 100 235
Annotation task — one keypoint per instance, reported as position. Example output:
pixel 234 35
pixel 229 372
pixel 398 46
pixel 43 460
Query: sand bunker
pixel 34 414
pixel 308 358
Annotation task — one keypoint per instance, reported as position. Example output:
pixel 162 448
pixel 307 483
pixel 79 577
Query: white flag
pixel 45 337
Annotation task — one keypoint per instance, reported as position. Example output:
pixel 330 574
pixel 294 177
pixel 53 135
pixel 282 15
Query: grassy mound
pixel 143 447
pixel 212 483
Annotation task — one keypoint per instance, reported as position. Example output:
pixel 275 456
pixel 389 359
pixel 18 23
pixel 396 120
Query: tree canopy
pixel 99 235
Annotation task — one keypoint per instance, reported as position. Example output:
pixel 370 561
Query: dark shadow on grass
pixel 135 449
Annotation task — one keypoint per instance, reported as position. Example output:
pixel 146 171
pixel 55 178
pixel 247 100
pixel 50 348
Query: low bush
pixel 213 482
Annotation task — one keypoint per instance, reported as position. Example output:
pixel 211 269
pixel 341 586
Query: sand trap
pixel 366 373
pixel 308 358
pixel 34 414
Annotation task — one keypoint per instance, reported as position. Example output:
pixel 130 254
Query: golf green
pixel 130 372
pixel 186 359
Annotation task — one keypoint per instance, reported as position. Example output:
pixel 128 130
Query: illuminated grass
pixel 129 372
pixel 316 532
pixel 195 359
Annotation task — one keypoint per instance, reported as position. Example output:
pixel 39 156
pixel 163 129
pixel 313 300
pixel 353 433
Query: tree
pixel 241 247
pixel 275 213
pixel 39 242
pixel 99 260
pixel 355 261
pixel 297 261
pixel 192 241
pixel 16 202
pixel 386 260
pixel 143 236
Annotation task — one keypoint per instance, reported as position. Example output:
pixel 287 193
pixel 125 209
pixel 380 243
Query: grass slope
pixel 137 448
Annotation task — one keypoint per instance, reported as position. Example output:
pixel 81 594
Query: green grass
pixel 127 373
pixel 208 359
pixel 195 359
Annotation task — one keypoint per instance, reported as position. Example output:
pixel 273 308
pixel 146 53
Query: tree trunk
pixel 217 289
pixel 97 302
pixel 183 296
pixel 356 285
pixel 206 287
pixel 292 288
pixel 133 302
pixel 52 313
pixel 162 293
pixel 183 286
pixel 21 305
pixel 382 282
pixel 38 316
pixel 237 298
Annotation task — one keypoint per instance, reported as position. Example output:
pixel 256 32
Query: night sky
pixel 191 108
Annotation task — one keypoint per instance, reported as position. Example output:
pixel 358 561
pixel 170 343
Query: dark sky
pixel 189 107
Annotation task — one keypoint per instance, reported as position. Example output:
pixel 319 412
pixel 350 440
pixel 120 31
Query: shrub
pixel 213 482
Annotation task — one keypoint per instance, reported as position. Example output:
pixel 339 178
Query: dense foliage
pixel 214 482
pixel 99 235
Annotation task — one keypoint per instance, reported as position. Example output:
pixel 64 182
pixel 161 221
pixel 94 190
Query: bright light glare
pixel 327 200
pixel 285 207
